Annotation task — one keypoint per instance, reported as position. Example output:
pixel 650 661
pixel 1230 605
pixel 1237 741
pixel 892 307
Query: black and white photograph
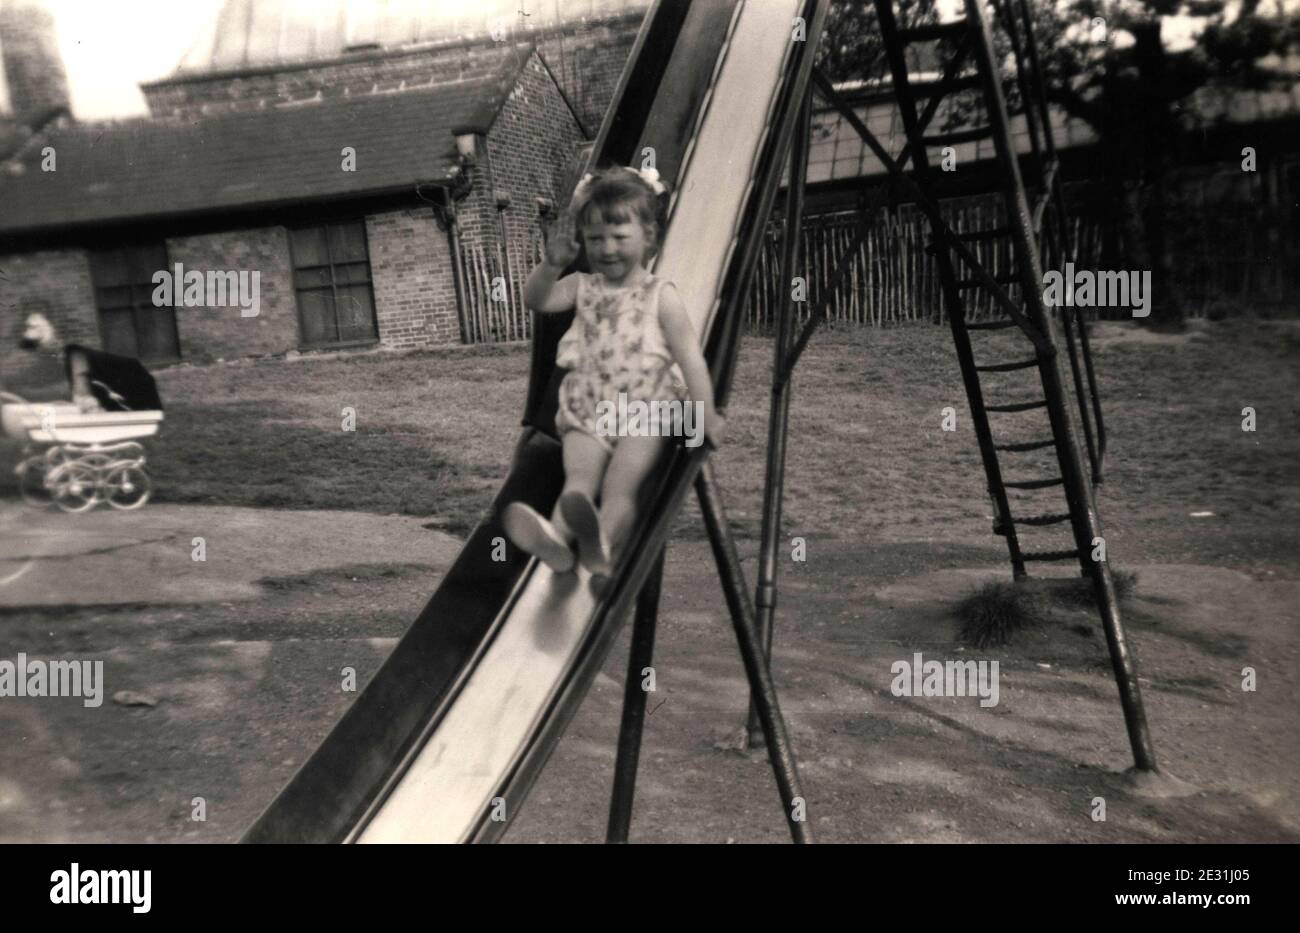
pixel 651 421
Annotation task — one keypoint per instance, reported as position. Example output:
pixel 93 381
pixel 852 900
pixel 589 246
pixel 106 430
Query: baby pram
pixel 77 458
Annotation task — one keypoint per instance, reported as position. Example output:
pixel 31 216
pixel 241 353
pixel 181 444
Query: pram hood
pixel 119 383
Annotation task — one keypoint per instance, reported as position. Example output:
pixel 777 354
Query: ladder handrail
pixel 1097 446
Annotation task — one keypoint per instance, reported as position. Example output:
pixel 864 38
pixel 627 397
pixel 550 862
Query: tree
pixel 851 47
pixel 1134 71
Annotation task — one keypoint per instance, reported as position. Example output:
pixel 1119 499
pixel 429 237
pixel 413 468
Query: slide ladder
pixel 972 65
pixel 1000 389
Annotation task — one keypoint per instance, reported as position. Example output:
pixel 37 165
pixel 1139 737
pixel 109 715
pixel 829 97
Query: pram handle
pixel 113 395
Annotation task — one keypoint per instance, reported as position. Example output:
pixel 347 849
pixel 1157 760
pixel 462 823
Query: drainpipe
pixel 444 215
pixel 453 242
pixel 469 145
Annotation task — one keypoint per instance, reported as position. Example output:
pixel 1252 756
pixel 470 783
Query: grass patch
pixel 867 459
pixel 997 610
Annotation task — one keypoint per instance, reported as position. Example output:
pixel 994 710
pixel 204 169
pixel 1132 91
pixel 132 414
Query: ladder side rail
pixel 1003 520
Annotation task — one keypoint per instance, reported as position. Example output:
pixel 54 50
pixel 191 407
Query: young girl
pixel 631 334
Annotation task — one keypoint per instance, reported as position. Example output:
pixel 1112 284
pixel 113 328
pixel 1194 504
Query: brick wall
pixel 210 333
pixel 411 274
pixel 415 297
pixel 530 149
pixel 349 75
pixel 53 283
pixel 587 56
pixel 587 59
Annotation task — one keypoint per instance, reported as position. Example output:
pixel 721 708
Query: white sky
pixel 109 48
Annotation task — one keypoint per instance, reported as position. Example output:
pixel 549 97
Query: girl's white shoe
pixel 580 515
pixel 534 535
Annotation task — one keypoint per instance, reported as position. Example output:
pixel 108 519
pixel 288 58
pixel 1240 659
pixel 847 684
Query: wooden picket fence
pixel 493 280
pixel 1226 260
pixel 891 278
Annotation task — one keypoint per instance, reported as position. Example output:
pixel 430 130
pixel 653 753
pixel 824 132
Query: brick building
pixel 376 175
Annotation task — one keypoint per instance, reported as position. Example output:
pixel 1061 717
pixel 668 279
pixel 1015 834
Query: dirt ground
pixel 246 679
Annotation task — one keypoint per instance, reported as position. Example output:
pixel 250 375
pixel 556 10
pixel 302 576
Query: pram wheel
pixel 127 487
pixel 31 481
pixel 73 485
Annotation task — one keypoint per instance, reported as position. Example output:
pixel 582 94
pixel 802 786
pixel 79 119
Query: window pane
pixel 156 328
pixel 142 296
pixel 312 278
pixel 144 261
pixel 118 328
pixel 316 309
pixel 309 247
pixel 129 322
pixel 352 273
pixel 356 313
pixel 347 242
pixel 110 298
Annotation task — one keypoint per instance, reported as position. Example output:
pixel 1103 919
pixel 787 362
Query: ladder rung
pixel 1044 519
pixel 1007 367
pixel 991 325
pixel 993 233
pixel 933 31
pixel 1025 447
pixel 1051 555
pixel 1007 278
pixel 1018 406
pixel 958 137
pixel 1035 483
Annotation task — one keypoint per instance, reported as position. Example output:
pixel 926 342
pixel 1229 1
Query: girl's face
pixel 615 249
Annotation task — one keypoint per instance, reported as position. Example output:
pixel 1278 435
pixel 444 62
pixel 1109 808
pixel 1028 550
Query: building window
pixel 129 323
pixel 331 276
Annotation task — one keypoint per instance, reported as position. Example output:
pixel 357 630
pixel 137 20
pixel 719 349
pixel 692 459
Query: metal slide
pixel 454 728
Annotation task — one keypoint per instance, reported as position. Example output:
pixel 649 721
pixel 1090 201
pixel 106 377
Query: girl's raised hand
pixel 561 240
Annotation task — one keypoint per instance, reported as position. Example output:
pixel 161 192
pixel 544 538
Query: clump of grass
pixel 1077 592
pixel 997 610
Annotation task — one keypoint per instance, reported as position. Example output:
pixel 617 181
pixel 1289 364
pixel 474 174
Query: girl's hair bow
pixel 648 175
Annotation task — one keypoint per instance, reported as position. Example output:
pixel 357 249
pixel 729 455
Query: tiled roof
pixel 156 168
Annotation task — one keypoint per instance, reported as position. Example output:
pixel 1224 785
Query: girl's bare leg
pixel 585 461
pixel 633 460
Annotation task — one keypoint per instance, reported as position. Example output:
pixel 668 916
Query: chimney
pixel 34 77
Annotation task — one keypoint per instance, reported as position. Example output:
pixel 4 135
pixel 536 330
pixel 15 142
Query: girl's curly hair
pixel 620 195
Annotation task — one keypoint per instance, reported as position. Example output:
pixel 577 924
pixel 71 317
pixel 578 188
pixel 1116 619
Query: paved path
pixel 49 558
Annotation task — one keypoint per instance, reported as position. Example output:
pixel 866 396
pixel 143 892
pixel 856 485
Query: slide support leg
pixel 634 700
pixel 762 688
pixel 779 412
